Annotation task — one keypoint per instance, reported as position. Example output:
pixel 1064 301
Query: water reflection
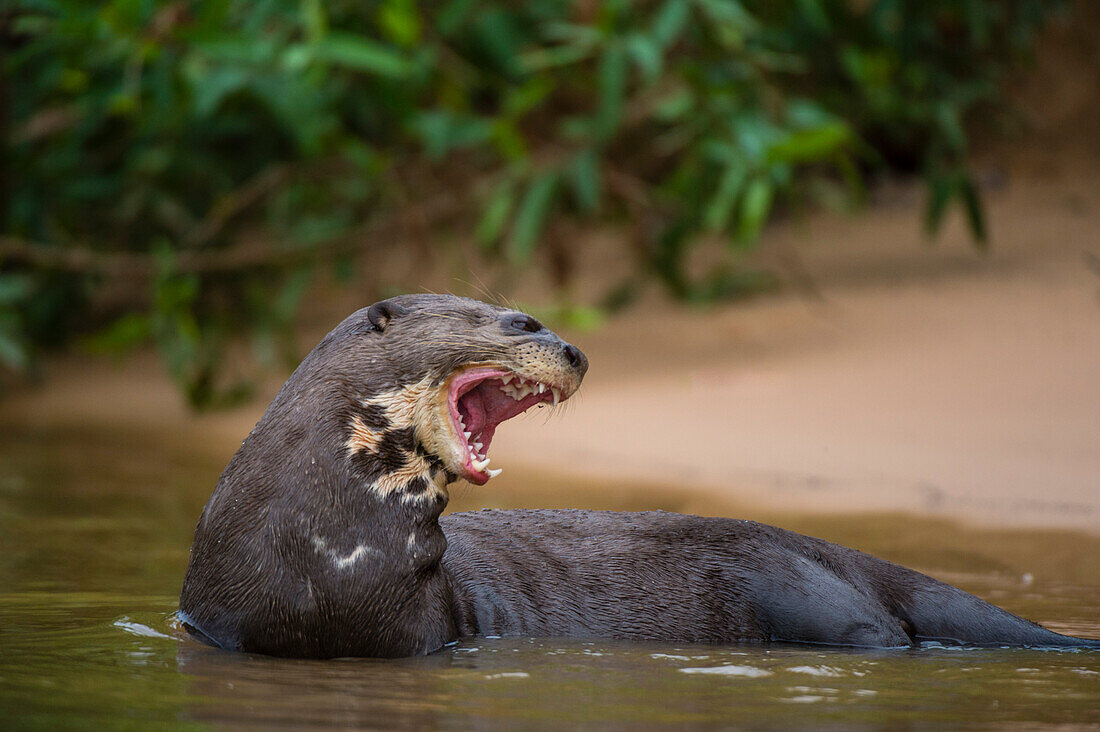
pixel 545 682
pixel 230 688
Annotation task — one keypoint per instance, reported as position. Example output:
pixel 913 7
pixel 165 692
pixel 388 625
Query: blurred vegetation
pixel 175 172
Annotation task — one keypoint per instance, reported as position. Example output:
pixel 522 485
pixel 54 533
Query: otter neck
pixel 374 493
pixel 386 456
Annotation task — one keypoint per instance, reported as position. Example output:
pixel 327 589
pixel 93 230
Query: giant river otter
pixel 323 537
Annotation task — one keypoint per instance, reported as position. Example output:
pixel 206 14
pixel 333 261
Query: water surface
pixel 94 532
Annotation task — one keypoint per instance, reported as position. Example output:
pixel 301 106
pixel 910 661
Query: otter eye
pixel 525 323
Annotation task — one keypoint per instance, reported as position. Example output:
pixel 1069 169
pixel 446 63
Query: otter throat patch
pixel 401 415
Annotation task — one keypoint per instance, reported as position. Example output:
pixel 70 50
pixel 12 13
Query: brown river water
pixel 95 528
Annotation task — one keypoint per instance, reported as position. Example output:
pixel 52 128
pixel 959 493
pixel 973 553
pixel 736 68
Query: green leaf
pixel 717 214
pixel 508 140
pixel 12 350
pixel 815 15
pixel 731 22
pixel 647 56
pixel 722 151
pixel 578 317
pixel 803 113
pixel 441 132
pixel 521 99
pixel 947 119
pixel 941 189
pixel 578 33
pixel 612 81
pixel 555 57
pixel 296 58
pixel 495 216
pixel 450 16
pixel 360 54
pixel 729 11
pixel 285 303
pixel 583 317
pixel 975 216
pixel 675 106
pixel 586 181
pixel 811 145
pixel 314 19
pixel 400 21
pixel 755 208
pixel 531 216
pixel 14 289
pixel 210 87
pixel 670 21
pixel 125 333
pixel 499 35
pixel 12 354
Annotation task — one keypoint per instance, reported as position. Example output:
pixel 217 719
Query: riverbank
pixel 905 376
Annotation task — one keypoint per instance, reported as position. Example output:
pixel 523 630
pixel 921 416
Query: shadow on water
pixel 94 532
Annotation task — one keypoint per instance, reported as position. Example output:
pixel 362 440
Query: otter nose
pixel 575 358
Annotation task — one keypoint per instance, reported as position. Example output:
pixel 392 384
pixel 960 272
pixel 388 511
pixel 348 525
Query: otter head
pixel 444 372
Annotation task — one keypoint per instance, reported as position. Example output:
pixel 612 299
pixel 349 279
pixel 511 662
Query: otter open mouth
pixel 479 400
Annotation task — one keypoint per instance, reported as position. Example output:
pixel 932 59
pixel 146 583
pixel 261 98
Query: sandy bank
pixel 933 380
pixel 936 381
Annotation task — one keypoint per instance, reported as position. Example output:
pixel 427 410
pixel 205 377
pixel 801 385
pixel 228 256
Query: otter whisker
pixel 482 288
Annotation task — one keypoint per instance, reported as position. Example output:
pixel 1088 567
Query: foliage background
pixel 178 172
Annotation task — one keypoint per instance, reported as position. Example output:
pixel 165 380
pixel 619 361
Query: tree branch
pixel 239 257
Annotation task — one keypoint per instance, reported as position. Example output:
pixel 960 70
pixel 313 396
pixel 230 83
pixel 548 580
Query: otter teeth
pixel 521 389
pixel 517 391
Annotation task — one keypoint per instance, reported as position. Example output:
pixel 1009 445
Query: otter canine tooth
pixel 494 472
pixel 542 387
pixel 480 464
pixel 557 395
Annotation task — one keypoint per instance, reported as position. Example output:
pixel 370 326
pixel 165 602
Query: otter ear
pixel 381 313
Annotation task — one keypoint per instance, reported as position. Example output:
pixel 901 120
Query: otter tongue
pixel 486 406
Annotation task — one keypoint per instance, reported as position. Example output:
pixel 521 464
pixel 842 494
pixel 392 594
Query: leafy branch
pixel 205 156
